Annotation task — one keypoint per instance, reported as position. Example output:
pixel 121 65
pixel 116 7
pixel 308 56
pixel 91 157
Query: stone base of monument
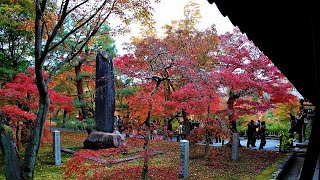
pixel 101 140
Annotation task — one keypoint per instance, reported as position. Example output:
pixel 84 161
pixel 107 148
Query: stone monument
pixel 104 136
pixel 105 93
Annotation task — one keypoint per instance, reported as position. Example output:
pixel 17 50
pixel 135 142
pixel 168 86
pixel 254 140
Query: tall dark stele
pixel 105 93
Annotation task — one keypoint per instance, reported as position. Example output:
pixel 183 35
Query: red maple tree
pixel 251 81
pixel 20 102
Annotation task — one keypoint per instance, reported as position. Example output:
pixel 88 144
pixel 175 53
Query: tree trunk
pixel 11 159
pixel 17 135
pixel 207 135
pixel 44 100
pixel 79 82
pixel 25 134
pixel 145 170
pixel 35 137
pixel 232 120
pixel 186 123
pixel 207 146
pixel 166 123
pixel 55 115
pixel 64 117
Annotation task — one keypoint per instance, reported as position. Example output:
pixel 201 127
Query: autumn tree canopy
pixel 50 30
pixel 252 82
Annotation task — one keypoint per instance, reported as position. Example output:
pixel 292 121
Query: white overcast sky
pixel 169 10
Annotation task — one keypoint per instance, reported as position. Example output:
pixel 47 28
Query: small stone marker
pixel 56 147
pixel 235 146
pixel 184 158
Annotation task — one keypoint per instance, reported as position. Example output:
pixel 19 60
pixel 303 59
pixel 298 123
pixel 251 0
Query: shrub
pixel 276 128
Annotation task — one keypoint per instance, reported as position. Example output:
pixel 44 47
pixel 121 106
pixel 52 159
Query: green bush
pixel 241 130
pixel 275 128
pixel 285 141
pixel 76 124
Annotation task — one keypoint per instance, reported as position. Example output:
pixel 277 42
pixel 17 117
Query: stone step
pixel 301 145
pixel 68 150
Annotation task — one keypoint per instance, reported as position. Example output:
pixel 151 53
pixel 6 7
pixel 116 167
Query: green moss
pixel 45 168
pixel 7 129
pixel 267 173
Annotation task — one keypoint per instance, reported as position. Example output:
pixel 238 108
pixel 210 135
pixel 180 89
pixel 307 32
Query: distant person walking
pixel 219 126
pixel 300 121
pixel 258 125
pixel 262 134
pixel 180 132
pixel 292 123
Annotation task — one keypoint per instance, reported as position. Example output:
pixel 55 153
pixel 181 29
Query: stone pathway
pixel 271 144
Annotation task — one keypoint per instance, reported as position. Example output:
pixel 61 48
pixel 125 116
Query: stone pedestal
pixel 100 140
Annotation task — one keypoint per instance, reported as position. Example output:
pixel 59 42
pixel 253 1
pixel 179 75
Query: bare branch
pixel 75 7
pixel 55 31
pixel 73 30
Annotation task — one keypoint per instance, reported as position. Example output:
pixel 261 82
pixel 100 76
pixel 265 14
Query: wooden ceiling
pixel 286 32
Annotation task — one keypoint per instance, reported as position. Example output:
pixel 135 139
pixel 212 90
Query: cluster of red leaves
pixel 133 172
pixel 214 127
pixel 78 166
pixel 254 161
pixel 23 91
pixel 214 156
pixel 196 135
pixel 170 58
pixel 247 72
pixel 20 100
pixel 15 114
pixel 139 103
pixel 221 166
pixel 166 165
pixel 46 136
pixel 189 99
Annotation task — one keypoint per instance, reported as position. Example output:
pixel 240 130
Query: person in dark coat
pixel 300 121
pixel 292 123
pixel 251 134
pixel 262 134
pixel 258 126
